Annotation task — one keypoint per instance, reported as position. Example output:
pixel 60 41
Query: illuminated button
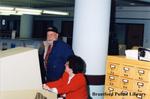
pixel 141 71
pixel 111 77
pixel 112 66
pixel 140 84
pixel 139 96
pixel 124 92
pixel 126 69
pixel 125 80
pixel 111 89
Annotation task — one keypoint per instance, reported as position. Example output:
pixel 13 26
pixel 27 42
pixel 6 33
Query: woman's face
pixel 67 69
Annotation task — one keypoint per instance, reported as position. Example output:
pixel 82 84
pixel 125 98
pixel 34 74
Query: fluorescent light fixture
pixel 28 10
pixel 17 14
pixel 6 8
pixel 22 11
pixel 7 11
pixel 30 13
pixel 55 12
pixel 4 13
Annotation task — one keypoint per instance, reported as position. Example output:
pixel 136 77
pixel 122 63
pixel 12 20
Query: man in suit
pixel 53 55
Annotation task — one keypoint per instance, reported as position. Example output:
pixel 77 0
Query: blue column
pixel 26 26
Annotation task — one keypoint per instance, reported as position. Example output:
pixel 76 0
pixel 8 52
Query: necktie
pixel 47 54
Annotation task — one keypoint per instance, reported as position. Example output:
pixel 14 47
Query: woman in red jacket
pixel 72 83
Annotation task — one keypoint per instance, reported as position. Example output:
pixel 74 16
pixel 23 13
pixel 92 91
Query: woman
pixel 72 83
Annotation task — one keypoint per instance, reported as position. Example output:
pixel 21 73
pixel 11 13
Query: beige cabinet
pixel 127 78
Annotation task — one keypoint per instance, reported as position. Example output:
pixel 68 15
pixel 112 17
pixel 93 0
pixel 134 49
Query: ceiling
pixel 65 5
pixel 132 2
pixel 38 3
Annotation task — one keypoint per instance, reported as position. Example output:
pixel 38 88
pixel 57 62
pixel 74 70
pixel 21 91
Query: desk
pixel 27 94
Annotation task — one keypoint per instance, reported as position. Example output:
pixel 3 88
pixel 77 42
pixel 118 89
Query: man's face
pixel 52 36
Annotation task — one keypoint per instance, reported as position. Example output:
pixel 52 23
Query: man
pixel 53 55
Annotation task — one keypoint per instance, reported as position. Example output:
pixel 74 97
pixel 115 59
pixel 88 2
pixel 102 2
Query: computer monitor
pixel 19 69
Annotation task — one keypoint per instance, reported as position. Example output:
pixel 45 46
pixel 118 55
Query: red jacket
pixel 76 89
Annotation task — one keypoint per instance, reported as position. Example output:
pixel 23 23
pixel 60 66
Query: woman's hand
pixel 45 87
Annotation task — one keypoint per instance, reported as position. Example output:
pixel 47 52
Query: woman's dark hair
pixel 77 64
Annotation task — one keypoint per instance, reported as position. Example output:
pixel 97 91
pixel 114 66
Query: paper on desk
pixel 131 54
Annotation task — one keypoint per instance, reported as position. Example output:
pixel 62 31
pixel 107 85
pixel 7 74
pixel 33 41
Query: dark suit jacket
pixel 56 60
